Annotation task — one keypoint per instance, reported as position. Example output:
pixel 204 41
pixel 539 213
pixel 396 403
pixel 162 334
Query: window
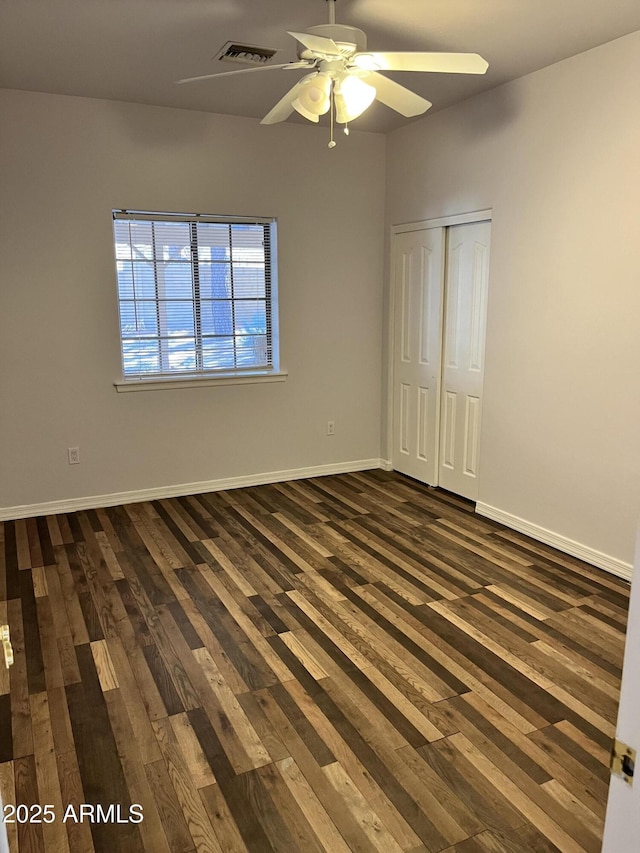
pixel 196 295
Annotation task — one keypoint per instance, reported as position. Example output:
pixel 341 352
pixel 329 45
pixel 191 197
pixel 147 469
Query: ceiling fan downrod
pixel 332 11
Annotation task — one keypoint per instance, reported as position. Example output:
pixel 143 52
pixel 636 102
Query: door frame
pixel 421 225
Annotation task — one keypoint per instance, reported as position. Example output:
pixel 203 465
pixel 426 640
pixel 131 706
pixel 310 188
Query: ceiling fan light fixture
pixel 314 97
pixel 352 97
pixel 345 78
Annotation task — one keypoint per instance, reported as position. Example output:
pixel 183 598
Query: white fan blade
pixel 318 44
pixel 402 100
pixel 444 63
pixel 245 71
pixel 284 107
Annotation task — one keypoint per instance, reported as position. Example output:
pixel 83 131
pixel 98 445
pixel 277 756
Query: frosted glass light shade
pixel 314 98
pixel 353 97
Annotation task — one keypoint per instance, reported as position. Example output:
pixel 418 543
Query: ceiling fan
pixel 344 77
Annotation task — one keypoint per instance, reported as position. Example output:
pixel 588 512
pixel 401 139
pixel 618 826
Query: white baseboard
pixel 556 540
pixel 541 534
pixel 95 501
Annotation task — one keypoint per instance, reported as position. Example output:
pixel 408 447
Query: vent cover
pixel 245 54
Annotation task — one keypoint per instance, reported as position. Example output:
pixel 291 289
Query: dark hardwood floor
pixel 349 663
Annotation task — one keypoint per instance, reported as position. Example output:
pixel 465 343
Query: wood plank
pixel 21 730
pixel 169 808
pixel 6 736
pixel 237 797
pixel 221 819
pixel 30 835
pixel 140 695
pixel 131 759
pixel 100 768
pixel 374 829
pixel 246 734
pixel 526 805
pixel 480 796
pixel 326 794
pixel 317 816
pixel 54 834
pixel 199 769
pixel 104 665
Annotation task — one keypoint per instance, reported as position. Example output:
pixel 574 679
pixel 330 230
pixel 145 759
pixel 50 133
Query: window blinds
pixel 195 293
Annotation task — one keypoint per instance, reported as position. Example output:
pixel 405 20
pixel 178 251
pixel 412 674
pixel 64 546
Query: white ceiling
pixel 134 50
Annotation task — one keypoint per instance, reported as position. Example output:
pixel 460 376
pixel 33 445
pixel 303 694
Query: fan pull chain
pixel 332 142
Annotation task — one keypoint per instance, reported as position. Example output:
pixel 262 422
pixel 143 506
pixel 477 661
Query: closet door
pixel 418 263
pixel 467 277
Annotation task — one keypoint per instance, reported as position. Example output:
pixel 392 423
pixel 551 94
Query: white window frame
pixel 198 376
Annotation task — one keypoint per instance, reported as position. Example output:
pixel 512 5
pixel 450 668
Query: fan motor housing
pixel 349 39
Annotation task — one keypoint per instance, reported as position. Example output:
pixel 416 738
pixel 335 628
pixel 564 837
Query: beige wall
pixel 66 163
pixel 556 155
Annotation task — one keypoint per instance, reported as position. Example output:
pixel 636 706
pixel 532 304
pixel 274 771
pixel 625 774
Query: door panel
pixel 448 444
pixel 467 278
pixel 472 436
pixel 418 269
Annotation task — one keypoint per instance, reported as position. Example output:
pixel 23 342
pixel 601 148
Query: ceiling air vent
pixel 245 54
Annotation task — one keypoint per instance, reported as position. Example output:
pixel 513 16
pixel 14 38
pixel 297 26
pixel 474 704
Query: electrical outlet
pixel 331 427
pixel 74 455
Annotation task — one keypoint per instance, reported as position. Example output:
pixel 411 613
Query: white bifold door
pixel 440 299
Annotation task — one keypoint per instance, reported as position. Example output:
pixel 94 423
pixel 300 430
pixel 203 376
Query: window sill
pixel 172 382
